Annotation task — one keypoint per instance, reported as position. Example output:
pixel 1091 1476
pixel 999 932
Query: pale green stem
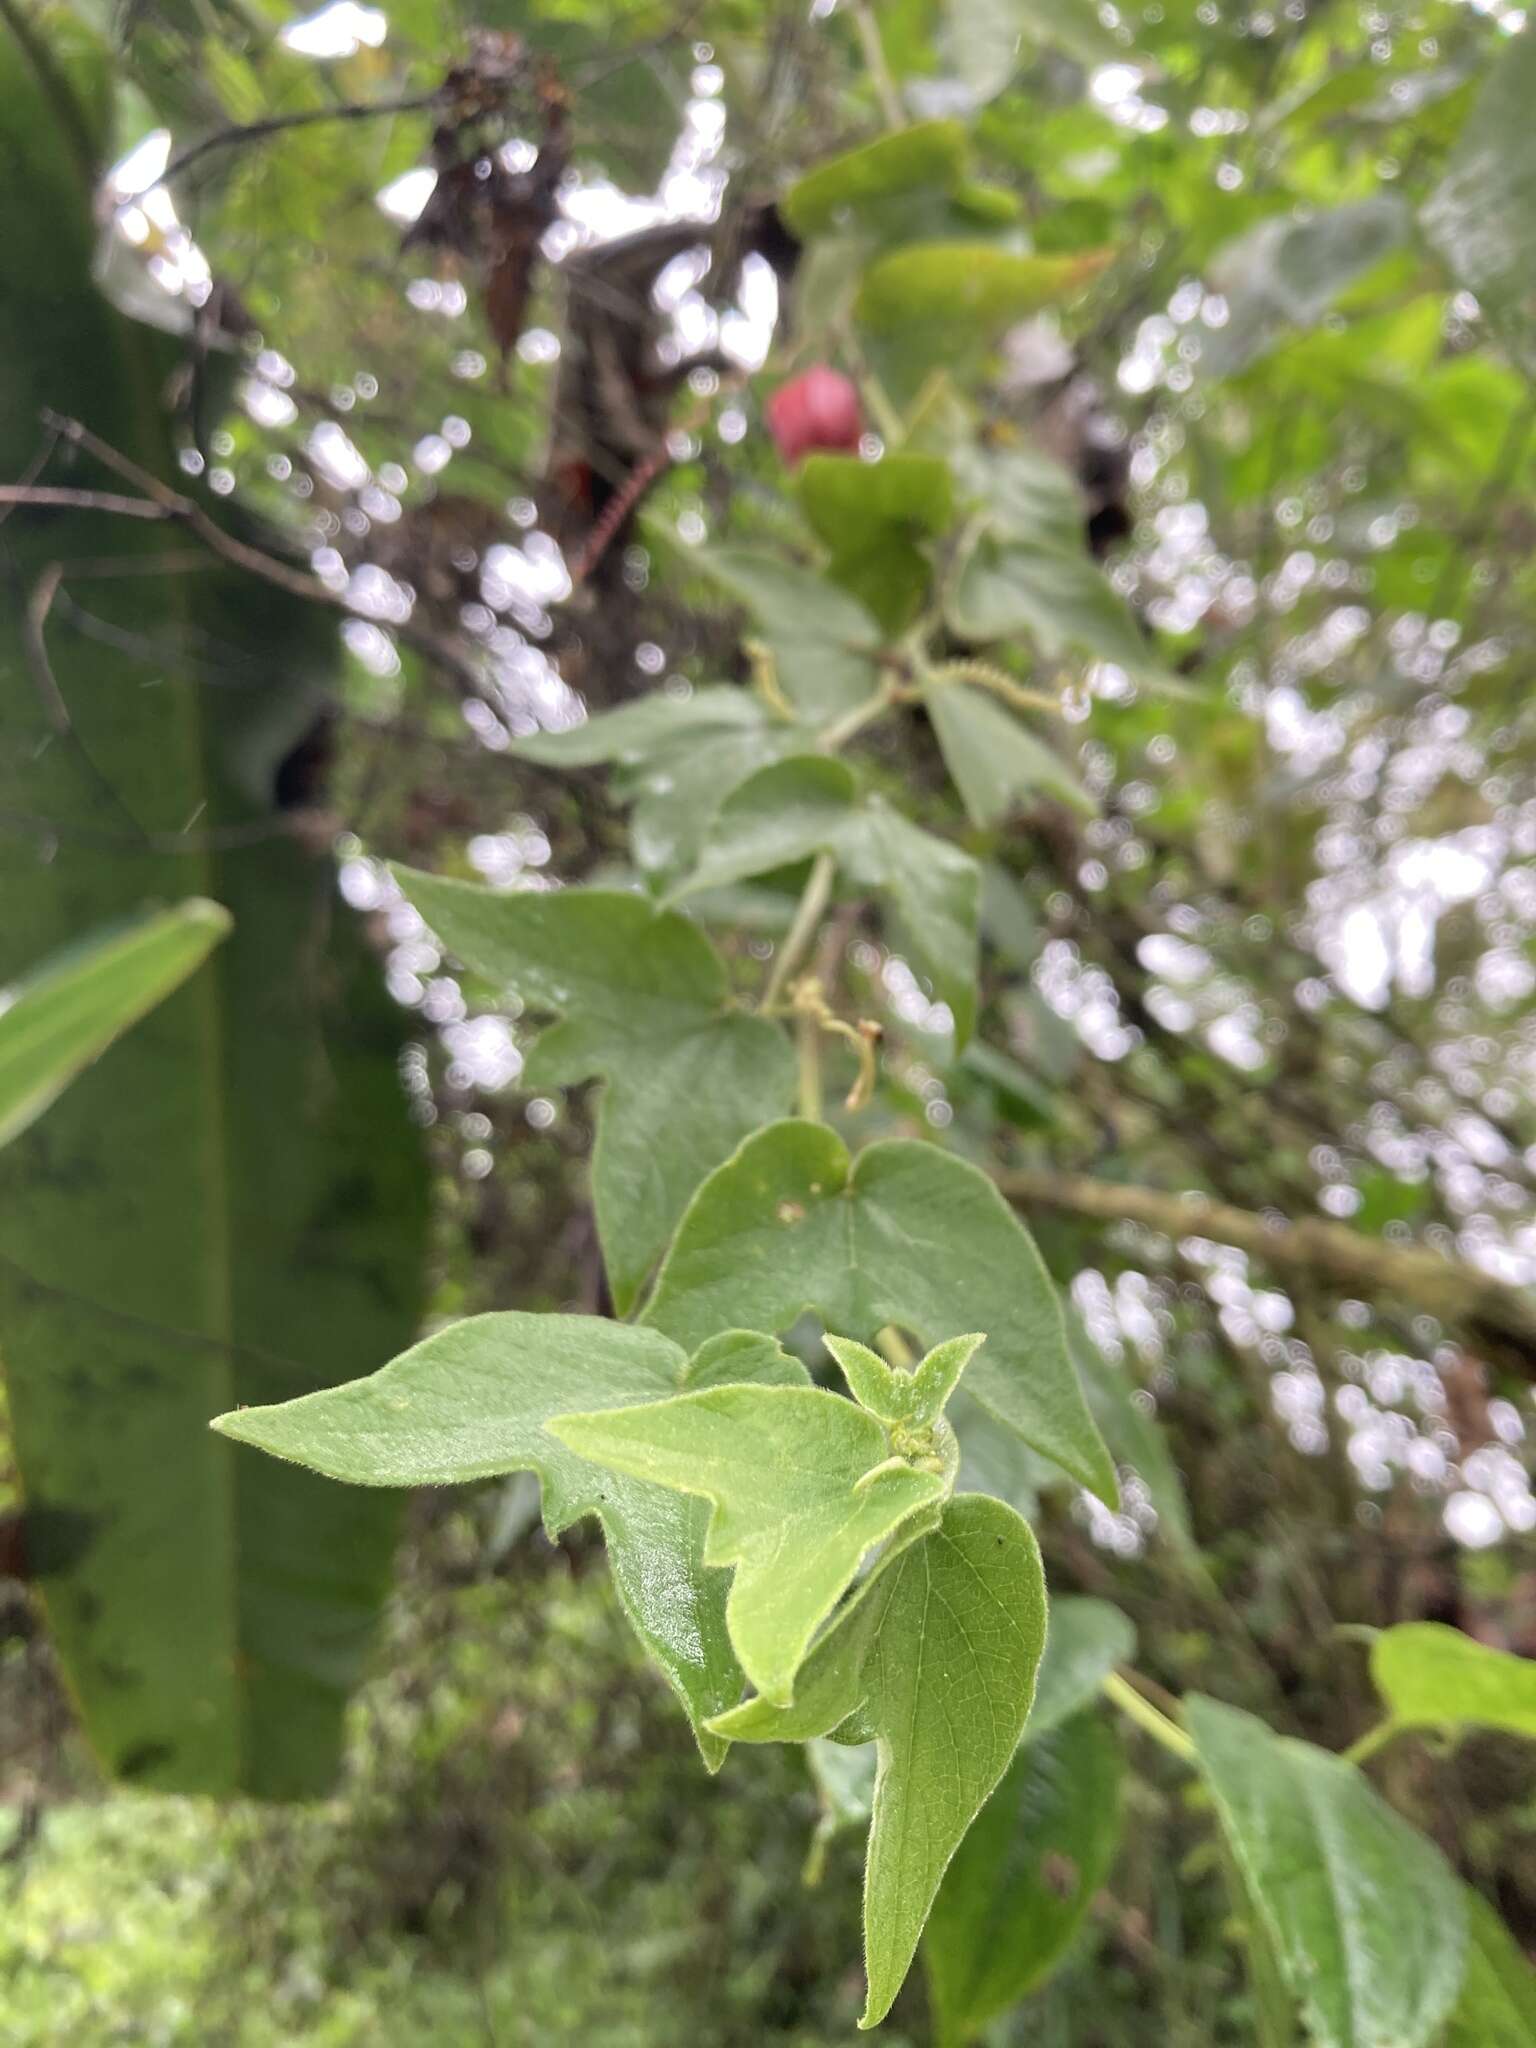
pixel 808 915
pixel 1147 1717
pixel 874 61
pixel 808 1049
pixel 842 730
pixel 999 682
pixel 1372 1740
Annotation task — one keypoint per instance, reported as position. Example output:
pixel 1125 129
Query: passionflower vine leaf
pixel 803 1485
pixel 935 1662
pixel 812 804
pixel 645 1004
pixel 904 1234
pixel 472 1402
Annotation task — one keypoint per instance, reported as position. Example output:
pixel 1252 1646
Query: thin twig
pixel 165 503
pixel 618 509
pixel 879 70
pixel 241 133
pixel 808 915
pixel 56 496
pixel 33 470
pixel 1498 1319
pixel 222 839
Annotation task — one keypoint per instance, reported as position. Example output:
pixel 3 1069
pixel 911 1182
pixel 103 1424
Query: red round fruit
pixel 817 409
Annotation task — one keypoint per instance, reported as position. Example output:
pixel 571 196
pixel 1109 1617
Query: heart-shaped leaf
pixel 905 1234
pixel 994 760
pixel 674 759
pixel 823 641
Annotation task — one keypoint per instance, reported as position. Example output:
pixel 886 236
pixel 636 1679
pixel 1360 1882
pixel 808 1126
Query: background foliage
pixel 1255 822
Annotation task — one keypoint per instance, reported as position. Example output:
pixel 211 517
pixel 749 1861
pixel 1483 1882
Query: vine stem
pixel 874 60
pixel 808 915
pixel 842 730
pixel 999 682
pixel 1372 1740
pixel 1147 1717
pixel 808 1051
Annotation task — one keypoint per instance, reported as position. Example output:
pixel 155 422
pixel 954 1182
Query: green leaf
pixel 473 1402
pixel 872 517
pixel 675 758
pixel 927 157
pixel 974 289
pixel 984 39
pixel 229 1205
pixel 809 804
pixel 905 1234
pixel 995 762
pixel 822 640
pixel 62 1016
pixel 1367 1921
pixel 1024 1877
pixel 646 1006
pixel 803 1487
pixel 1085 1641
pixel 912 492
pixel 1026 494
pixel 1288 271
pixel 1497 2007
pixel 1432 1676
pixel 1482 216
pixel 937 1662
pixel 1058 595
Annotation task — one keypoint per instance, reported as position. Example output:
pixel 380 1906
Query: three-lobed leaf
pixel 472 1402
pixel 904 1234
pixel 1367 1922
pixel 802 1485
pixel 935 1662
pixel 645 1003
pixel 65 1014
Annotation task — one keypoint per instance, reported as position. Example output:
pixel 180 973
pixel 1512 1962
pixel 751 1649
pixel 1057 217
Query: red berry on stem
pixel 817 409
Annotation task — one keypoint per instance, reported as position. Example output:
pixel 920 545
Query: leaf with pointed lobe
pixel 472 1402
pixel 646 1006
pixel 904 1234
pixel 803 1486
